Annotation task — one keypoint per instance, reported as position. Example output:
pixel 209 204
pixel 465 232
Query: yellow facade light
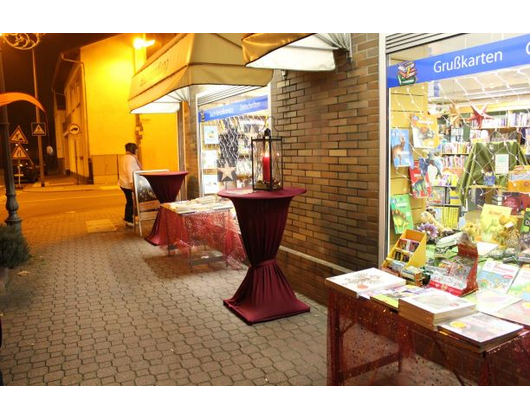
pixel 140 43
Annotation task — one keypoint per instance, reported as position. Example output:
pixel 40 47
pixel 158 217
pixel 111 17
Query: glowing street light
pixel 25 41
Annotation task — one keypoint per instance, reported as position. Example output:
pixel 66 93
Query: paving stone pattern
pixel 108 308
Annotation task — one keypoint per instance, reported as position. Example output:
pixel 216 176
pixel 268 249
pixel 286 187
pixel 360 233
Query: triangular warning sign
pixel 18 136
pixel 38 131
pixel 20 153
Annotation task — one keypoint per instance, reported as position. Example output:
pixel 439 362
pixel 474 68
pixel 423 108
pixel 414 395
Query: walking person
pixel 129 164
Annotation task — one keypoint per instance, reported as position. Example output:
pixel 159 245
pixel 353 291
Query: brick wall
pixel 330 125
pixel 190 149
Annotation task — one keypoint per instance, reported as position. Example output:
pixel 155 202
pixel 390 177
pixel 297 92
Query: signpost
pixel 18 136
pixel 19 154
pixel 74 130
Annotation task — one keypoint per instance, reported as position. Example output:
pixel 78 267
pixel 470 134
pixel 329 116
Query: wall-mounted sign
pixel 259 103
pixel 489 57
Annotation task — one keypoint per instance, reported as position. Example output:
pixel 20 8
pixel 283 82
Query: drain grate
pixel 102 225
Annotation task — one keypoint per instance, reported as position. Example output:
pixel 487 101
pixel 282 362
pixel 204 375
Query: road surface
pixel 35 204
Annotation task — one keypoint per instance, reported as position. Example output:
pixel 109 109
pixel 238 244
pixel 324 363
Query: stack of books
pixel 392 297
pixel 364 281
pixel 431 309
pixel 480 330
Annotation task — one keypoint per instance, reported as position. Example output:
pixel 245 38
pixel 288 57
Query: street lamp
pixel 24 41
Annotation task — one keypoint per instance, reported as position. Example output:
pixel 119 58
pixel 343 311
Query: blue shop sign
pixel 259 103
pixel 498 55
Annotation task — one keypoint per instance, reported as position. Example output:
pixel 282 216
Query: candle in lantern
pixel 266 168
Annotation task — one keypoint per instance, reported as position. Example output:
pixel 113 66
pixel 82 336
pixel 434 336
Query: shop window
pixel 459 119
pixel 226 127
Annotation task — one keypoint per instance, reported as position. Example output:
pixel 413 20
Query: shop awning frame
pixel 191 60
pixel 294 51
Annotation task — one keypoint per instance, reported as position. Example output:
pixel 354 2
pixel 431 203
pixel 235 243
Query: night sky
pixel 19 78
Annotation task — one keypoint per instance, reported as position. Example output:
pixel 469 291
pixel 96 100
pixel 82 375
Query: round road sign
pixel 74 128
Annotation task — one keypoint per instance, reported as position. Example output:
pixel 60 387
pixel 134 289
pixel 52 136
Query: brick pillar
pixel 330 125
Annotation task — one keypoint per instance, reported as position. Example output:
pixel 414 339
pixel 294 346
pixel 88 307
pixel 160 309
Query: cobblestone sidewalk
pixel 108 308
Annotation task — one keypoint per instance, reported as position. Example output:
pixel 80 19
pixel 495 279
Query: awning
pixel 303 52
pixel 189 60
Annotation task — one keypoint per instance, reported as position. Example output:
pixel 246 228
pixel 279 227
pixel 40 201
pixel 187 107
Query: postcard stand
pixel 468 258
pixel 409 251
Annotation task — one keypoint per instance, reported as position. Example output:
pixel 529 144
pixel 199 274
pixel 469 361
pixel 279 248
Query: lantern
pixel 267 162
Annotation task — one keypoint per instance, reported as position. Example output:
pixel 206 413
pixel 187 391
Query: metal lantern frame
pixel 267 140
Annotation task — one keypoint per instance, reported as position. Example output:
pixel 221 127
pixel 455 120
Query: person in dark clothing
pixel 128 165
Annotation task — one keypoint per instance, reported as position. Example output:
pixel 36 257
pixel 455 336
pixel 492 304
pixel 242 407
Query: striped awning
pixel 296 51
pixel 191 60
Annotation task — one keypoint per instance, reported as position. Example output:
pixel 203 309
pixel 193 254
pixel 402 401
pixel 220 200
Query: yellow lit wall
pixel 108 71
pixel 159 142
pixel 109 67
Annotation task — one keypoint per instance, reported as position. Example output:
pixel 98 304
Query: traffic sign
pixel 74 129
pixel 20 153
pixel 38 129
pixel 18 136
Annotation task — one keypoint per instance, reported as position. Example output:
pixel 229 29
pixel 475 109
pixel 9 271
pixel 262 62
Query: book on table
pixel 517 312
pixel 490 301
pixel 521 284
pixel 364 281
pixel 481 330
pixel 391 297
pixel 432 308
pixel 497 276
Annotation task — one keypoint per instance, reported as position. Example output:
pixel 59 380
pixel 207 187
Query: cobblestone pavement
pixel 108 308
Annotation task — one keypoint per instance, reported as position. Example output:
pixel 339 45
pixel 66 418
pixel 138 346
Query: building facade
pixel 91 87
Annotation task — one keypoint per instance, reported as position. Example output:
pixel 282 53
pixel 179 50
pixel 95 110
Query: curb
pixel 72 188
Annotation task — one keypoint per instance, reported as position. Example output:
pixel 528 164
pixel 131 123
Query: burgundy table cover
pixel 370 344
pixel 166 186
pixel 265 293
pixel 213 228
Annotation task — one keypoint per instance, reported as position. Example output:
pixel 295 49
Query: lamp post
pixel 22 42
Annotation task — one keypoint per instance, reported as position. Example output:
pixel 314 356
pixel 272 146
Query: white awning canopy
pixel 303 52
pixel 190 60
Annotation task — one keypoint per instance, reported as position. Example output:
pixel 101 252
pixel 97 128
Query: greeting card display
pixel 458 276
pixel 409 251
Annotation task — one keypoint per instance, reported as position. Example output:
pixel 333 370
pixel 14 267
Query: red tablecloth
pixel 265 293
pixel 213 228
pixel 370 344
pixel 166 186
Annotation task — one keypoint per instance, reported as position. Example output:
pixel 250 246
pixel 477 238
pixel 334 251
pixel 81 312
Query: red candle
pixel 266 169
